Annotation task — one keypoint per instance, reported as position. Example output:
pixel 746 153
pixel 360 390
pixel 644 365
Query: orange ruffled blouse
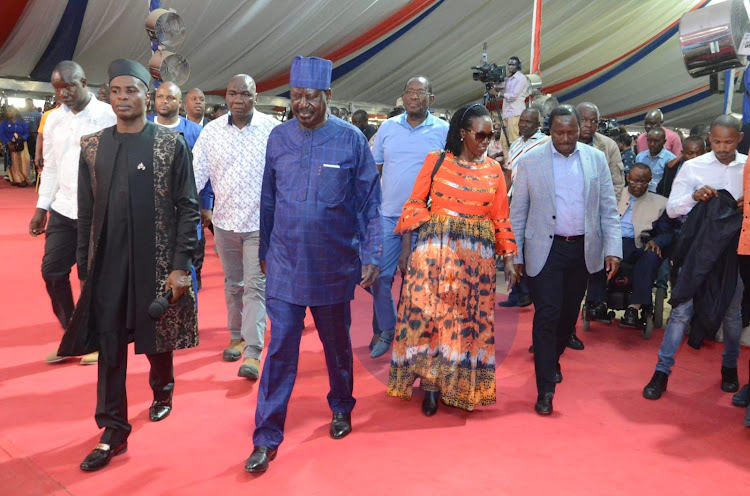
pixel 473 192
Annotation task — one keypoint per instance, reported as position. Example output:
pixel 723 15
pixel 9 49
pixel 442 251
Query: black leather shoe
pixel 544 404
pixel 509 303
pixel 258 461
pixel 631 319
pixel 574 343
pixel 531 349
pixel 101 456
pixel 742 398
pixel 160 410
pixel 558 374
pixel 524 300
pixel 597 312
pixel 341 425
pixel 430 403
pixel 656 386
pixel 730 383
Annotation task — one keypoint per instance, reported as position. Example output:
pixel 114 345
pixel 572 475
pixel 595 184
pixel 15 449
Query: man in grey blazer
pixel 565 220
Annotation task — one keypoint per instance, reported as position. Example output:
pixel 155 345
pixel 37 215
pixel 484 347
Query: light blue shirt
pixel 657 164
pixel 626 221
pixel 569 219
pixel 402 151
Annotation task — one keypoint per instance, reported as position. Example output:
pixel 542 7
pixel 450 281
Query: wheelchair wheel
pixel 648 329
pixel 585 323
pixel 661 295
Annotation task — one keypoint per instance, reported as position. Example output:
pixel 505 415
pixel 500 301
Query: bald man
pixel 167 106
pixel 231 152
pixel 80 114
pixel 655 118
pixel 195 106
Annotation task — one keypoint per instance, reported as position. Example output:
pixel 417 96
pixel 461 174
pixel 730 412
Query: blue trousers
pixel 282 357
pixel 644 274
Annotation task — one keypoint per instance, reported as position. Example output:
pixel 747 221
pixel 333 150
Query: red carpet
pixel 603 439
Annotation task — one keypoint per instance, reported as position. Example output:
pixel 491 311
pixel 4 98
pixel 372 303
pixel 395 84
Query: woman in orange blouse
pixel 445 329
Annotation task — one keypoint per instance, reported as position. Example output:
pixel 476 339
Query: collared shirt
pixel 704 170
pixel 657 164
pixel 518 148
pixel 673 143
pixel 190 130
pixel 514 97
pixel 320 212
pixel 570 216
pixel 233 159
pixel 626 221
pixel 62 135
pixel 402 151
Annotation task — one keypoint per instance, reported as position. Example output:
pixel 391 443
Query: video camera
pixel 607 126
pixel 489 73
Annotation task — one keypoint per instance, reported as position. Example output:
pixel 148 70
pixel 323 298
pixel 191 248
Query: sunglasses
pixel 482 136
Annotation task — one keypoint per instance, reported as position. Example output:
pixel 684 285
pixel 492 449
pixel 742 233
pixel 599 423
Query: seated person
pixel 642 215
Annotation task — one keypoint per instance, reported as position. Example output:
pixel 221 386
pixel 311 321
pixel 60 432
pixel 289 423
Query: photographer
pixel 514 101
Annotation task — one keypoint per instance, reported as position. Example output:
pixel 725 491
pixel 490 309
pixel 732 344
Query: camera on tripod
pixel 490 73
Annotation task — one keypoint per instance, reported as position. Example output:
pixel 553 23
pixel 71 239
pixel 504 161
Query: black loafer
pixel 160 410
pixel 574 343
pixel 631 319
pixel 259 459
pixel 100 457
pixel 430 403
pixel 730 383
pixel 597 312
pixel 544 404
pixel 558 374
pixel 341 425
pixel 656 386
pixel 524 300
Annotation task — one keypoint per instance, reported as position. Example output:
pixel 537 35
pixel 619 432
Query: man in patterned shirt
pixel 321 234
pixel 231 152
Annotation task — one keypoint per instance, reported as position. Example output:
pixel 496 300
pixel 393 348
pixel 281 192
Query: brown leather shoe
pixel 233 352
pixel 249 369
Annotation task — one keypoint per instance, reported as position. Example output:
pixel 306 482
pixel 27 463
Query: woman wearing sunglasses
pixel 445 329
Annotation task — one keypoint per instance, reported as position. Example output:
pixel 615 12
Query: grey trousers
pixel 244 288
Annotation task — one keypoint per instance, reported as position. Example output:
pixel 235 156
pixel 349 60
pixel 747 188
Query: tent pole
pixel 728 90
pixel 536 32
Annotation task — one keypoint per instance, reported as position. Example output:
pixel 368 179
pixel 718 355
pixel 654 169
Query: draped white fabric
pixel 260 37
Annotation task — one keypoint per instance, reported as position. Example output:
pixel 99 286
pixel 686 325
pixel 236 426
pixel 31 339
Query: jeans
pixel 244 288
pixel 383 306
pixel 678 326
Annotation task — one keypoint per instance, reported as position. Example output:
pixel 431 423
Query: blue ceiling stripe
pixel 360 59
pixel 62 46
pixel 669 108
pixel 628 63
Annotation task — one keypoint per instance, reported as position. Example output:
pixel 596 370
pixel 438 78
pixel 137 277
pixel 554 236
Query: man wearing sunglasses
pixel 400 148
pixel 647 231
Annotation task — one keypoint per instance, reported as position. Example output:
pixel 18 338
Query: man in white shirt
pixel 231 152
pixel 699 180
pixel 80 114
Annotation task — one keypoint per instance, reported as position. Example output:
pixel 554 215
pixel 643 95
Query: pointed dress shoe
pixel 160 410
pixel 574 343
pixel 544 404
pixel 101 456
pixel 430 403
pixel 384 343
pixel 730 382
pixel 341 425
pixel 656 386
pixel 259 459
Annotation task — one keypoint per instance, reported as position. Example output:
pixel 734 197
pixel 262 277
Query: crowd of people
pixel 302 211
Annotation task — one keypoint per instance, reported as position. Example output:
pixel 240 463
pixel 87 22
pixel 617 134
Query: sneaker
pixel 90 359
pixel 250 368
pixel 233 352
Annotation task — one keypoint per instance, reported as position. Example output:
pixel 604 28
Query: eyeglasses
pixel 640 183
pixel 419 93
pixel 482 136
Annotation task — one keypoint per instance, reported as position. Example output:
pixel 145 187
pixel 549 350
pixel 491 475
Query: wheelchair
pixel 619 290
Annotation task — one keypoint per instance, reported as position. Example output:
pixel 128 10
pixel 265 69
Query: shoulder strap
pixel 438 164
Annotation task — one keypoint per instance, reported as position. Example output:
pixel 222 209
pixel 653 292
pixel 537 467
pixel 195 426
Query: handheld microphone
pixel 160 305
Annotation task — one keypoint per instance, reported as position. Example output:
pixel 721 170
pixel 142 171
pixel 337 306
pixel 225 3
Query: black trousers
pixel 557 292
pixel 199 256
pixel 111 397
pixel 646 267
pixel 60 241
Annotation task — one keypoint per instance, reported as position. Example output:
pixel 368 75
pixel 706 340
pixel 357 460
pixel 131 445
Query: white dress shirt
pixel 569 183
pixel 62 149
pixel 234 160
pixel 704 170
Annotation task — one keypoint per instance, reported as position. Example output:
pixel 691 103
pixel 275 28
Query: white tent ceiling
pixel 440 39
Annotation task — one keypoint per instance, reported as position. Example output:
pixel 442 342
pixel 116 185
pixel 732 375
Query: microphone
pixel 160 305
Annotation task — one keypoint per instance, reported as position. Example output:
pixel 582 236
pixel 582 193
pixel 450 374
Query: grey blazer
pixel 533 209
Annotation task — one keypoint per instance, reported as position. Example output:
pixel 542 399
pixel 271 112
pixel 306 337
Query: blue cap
pixel 311 73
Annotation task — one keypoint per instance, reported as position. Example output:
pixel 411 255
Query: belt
pixel 569 239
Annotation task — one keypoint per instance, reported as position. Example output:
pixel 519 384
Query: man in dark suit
pixel 564 216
